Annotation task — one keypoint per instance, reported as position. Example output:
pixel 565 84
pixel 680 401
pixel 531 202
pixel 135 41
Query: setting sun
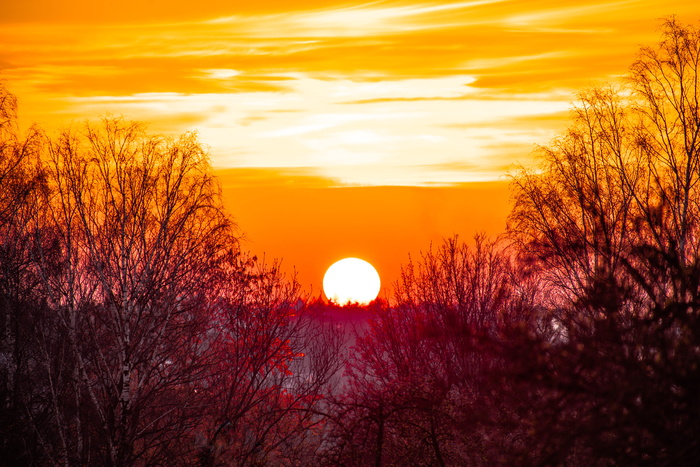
pixel 351 280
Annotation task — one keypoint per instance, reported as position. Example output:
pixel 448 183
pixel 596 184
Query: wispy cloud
pixel 551 19
pixel 357 21
pixel 377 93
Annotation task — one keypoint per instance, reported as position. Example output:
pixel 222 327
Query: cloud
pixel 550 19
pixel 356 21
pixel 377 93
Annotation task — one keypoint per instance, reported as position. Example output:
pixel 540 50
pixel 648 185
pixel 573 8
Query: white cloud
pixel 219 73
pixel 384 137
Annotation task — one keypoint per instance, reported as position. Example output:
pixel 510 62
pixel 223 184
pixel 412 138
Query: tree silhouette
pixel 420 385
pixel 136 234
pixel 135 331
pixel 133 325
pixel 612 218
pixel 21 202
pixel 274 365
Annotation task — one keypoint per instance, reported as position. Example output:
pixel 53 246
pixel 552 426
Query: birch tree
pixel 138 234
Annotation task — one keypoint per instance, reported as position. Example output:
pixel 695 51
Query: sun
pixel 351 280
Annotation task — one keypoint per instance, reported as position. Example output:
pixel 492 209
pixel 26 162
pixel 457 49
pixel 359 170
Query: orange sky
pixel 311 224
pixel 338 128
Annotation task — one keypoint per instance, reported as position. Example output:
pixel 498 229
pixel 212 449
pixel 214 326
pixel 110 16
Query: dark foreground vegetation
pixel 134 330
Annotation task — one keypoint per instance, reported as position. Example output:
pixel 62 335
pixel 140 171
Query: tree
pixel 420 386
pixel 612 219
pixel 23 184
pixel 134 329
pixel 274 363
pixel 135 234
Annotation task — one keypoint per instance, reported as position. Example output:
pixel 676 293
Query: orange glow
pixel 311 223
pixel 337 128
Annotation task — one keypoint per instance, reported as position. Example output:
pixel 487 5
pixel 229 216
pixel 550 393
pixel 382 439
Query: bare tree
pixel 138 234
pixel 612 218
pixel 134 330
pixel 23 184
pixel 421 381
pixel 275 364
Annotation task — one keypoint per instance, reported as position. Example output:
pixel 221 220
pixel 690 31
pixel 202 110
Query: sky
pixel 337 128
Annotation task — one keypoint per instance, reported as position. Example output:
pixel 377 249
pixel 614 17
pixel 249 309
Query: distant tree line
pixel 135 331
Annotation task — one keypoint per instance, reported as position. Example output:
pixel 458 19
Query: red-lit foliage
pixel 274 364
pixel 612 218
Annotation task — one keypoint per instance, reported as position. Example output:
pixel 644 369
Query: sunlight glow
pixel 351 280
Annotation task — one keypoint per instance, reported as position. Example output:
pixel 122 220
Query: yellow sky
pixel 377 93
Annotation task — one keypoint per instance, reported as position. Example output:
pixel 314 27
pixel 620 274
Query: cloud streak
pixel 378 93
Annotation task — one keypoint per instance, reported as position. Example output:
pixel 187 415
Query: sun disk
pixel 351 280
